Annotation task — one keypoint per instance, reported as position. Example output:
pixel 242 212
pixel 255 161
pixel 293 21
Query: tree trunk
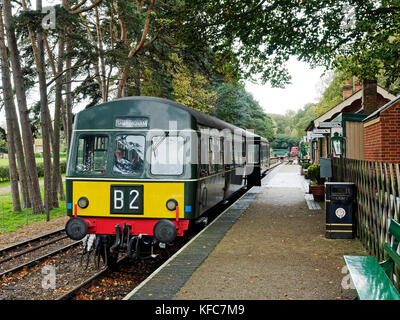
pixel 16 135
pixel 8 101
pixel 36 200
pixel 23 177
pixel 68 98
pixel 57 118
pixel 59 113
pixel 44 119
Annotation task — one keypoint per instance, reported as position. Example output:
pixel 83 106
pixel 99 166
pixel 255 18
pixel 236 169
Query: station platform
pixel 269 245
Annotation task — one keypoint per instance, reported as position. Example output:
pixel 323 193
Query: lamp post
pixel 337 144
pixel 314 150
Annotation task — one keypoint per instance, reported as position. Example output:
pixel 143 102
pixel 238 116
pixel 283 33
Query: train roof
pixel 200 117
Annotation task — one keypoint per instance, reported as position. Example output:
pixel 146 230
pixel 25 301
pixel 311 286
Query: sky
pixel 305 87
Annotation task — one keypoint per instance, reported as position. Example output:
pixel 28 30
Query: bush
pixel 5 173
pixel 305 165
pixel 313 173
pixel 63 166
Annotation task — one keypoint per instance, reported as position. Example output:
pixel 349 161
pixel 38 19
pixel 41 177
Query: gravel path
pixel 276 250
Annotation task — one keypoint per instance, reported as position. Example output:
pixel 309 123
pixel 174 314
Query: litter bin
pixel 339 204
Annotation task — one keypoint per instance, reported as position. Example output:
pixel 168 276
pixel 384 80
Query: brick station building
pixel 382 133
pixel 361 104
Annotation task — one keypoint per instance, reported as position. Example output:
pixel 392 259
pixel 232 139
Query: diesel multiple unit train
pixel 143 169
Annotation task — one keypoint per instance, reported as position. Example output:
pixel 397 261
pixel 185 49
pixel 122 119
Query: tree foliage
pixel 196 52
pixel 235 105
pixel 358 36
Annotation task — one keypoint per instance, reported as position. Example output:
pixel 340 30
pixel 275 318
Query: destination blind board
pixel 131 122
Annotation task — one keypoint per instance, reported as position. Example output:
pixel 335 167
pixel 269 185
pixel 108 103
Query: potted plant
pixel 317 183
pixel 304 168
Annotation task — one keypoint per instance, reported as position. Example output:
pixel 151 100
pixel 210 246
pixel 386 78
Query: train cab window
pixel 129 155
pixel 167 153
pixel 92 154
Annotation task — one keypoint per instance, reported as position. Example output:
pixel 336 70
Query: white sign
pixel 321 131
pixel 330 125
pixel 316 135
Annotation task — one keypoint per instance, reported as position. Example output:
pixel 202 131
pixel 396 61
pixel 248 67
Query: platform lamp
pixel 337 144
pixel 314 149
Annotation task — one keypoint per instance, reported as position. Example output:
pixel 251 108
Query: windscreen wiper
pixel 154 147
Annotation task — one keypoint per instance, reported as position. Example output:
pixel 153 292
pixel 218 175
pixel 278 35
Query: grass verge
pixel 10 220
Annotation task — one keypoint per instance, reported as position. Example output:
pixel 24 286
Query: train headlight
pixel 172 204
pixel 83 202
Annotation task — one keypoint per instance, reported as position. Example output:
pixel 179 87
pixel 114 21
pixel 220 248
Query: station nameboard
pixel 330 125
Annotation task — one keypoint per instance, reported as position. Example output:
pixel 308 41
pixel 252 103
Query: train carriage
pixel 145 167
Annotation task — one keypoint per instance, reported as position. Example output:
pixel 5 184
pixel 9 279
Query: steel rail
pixel 25 242
pixel 37 260
pixel 74 291
pixel 32 249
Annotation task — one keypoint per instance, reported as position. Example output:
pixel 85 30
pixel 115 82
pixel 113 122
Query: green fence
pixel 378 199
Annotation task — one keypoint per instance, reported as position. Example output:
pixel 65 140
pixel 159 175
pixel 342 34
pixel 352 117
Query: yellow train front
pixel 141 169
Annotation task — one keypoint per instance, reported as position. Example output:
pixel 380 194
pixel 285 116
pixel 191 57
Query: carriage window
pixel 129 155
pixel 250 153
pixel 92 154
pixel 167 155
pixel 256 153
pixel 221 152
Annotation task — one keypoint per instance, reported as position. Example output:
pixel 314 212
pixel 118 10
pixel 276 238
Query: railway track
pixel 110 284
pixel 30 252
pixel 115 283
pixel 6 252
pixel 71 294
pixel 73 281
pixel 36 260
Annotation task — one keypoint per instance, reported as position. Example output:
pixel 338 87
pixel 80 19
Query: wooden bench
pixel 371 279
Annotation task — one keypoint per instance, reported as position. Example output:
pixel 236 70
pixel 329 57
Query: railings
pixel 378 199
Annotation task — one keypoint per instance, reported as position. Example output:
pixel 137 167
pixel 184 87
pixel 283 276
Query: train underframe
pixel 105 238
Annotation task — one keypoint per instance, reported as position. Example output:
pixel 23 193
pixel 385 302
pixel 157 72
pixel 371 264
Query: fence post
pixel 2 208
pixel 26 211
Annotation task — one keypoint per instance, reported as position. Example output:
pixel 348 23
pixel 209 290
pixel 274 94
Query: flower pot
pixel 318 192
